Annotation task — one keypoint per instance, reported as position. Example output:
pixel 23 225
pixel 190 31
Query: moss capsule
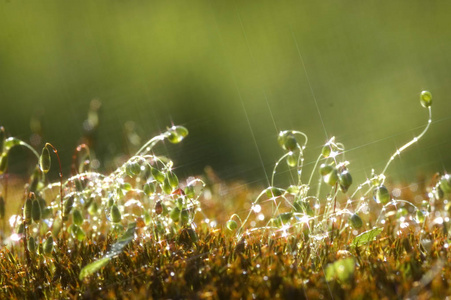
pixel 159 176
pixel 184 217
pixel 355 221
pixel 165 210
pixel 11 142
pixel 231 225
pixel 445 183
pixel 93 208
pixel 126 186
pixel 48 245
pixel 132 169
pixel 158 208
pixel 285 217
pixel 172 179
pixel 176 134
pixel 68 204
pixel 115 214
pixel 381 195
pixel 327 149
pixel 345 180
pixel 420 216
pixel 175 214
pixel 31 243
pixel 159 227
pixel 77 217
pixel 193 235
pixel 438 192
pixel 149 188
pixel 21 228
pixel 274 192
pixel 287 140
pixel 293 189
pixel 331 178
pixel 292 160
pixel 402 212
pixel 147 218
pixel 180 203
pixel 325 169
pixel 45 211
pixel 77 232
pixel 276 222
pixel 36 211
pixel 189 191
pixel 166 186
pixel 300 206
pixel 426 99
pixel 45 160
pixel 27 210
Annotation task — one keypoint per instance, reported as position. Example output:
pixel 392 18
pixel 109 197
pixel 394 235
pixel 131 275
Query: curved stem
pixel 74 157
pixel 414 140
pixel 237 216
pixel 303 134
pixel 60 175
pixel 276 165
pixel 250 212
pixel 150 144
pixel 22 143
pixel 314 168
pixel 391 203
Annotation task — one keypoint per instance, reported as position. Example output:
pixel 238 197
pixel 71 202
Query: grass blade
pixel 116 249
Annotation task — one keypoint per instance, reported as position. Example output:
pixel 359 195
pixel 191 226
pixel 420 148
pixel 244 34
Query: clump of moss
pixel 136 233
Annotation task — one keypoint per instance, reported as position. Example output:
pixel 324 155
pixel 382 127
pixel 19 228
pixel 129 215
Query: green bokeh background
pixel 234 73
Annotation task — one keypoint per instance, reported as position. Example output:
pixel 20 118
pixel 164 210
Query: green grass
pixel 140 232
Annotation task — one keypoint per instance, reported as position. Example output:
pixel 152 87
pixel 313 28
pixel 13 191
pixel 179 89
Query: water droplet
pixel 257 208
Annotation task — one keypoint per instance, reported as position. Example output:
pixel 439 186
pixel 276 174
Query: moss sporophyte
pixel 144 218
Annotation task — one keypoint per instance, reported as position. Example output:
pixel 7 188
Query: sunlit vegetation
pixel 141 232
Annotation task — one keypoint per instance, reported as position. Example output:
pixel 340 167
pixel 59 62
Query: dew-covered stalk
pixel 426 101
pixel 60 175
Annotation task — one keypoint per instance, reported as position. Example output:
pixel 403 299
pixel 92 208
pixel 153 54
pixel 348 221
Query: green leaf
pixel 342 270
pixel 116 249
pixel 128 235
pixel 366 237
pixel 94 267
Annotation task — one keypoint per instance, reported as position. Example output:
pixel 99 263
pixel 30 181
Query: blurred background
pixel 234 73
